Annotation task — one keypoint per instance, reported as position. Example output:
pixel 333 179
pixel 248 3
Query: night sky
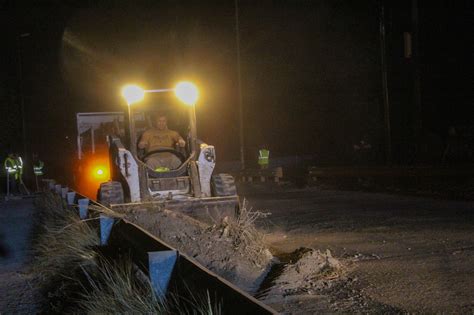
pixel 311 72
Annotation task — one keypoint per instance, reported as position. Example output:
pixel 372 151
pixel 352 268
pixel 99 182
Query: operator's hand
pixel 181 143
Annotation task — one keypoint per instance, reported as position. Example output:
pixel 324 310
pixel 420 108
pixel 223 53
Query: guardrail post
pixel 160 266
pixel 64 191
pixel 106 224
pixel 70 196
pixel 83 207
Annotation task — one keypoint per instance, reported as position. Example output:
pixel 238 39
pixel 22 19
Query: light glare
pixel 132 93
pixel 187 93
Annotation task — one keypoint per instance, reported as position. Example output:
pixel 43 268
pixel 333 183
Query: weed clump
pixel 244 235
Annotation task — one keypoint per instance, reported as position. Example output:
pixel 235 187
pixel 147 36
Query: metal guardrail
pixel 167 268
pixel 262 175
pixel 395 171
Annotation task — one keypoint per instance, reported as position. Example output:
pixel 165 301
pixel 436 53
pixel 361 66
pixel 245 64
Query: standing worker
pixel 12 174
pixel 263 157
pixel 38 166
pixel 19 166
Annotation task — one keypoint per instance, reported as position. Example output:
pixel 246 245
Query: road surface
pixel 413 254
pixel 16 294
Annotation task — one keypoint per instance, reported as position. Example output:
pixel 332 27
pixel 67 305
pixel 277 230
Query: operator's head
pixel 161 122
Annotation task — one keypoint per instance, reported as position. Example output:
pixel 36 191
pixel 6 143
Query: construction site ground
pixel 388 253
pixel 17 295
pixel 403 253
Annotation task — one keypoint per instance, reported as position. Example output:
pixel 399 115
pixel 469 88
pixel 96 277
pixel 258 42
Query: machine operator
pixel 160 137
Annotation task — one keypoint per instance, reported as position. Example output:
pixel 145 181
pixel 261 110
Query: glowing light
pixel 132 94
pixel 187 93
pixel 100 173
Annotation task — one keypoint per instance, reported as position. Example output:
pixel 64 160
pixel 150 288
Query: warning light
pixel 100 172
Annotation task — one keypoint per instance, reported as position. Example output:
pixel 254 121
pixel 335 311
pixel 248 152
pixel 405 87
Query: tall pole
pixel 192 129
pixel 22 98
pixel 418 123
pixel 239 87
pixel 388 132
pixel 130 130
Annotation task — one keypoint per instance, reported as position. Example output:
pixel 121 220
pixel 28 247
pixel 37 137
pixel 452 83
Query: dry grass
pixel 121 288
pixel 244 234
pixel 117 289
pixel 76 278
pixel 62 246
pixel 62 240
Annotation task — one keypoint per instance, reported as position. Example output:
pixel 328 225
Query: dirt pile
pixel 312 272
pixel 233 249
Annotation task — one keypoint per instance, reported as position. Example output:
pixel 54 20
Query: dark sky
pixel 311 70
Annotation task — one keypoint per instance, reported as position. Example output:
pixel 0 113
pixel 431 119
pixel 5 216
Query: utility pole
pixel 417 119
pixel 386 101
pixel 21 90
pixel 239 86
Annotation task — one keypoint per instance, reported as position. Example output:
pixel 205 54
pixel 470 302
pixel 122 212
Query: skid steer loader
pixel 192 188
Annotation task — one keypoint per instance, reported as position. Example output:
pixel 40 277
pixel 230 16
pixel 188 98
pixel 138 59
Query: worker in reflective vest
pixel 21 185
pixel 38 169
pixel 19 165
pixel 263 158
pixel 11 168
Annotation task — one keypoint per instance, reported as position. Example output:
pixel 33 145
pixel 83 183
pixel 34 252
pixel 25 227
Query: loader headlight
pixel 133 93
pixel 187 93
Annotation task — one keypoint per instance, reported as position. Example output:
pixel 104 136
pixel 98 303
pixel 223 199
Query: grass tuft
pixel 244 234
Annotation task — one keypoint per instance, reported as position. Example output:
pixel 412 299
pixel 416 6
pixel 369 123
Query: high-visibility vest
pixel 263 156
pixel 38 168
pixel 11 167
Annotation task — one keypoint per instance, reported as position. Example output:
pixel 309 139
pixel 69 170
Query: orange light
pixel 100 172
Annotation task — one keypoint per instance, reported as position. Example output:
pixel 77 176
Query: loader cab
pixel 128 162
pixel 178 119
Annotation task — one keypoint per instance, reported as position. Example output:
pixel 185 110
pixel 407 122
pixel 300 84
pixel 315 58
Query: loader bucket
pixel 210 210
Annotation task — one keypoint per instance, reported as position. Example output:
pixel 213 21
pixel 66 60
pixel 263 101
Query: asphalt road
pixel 415 254
pixel 16 294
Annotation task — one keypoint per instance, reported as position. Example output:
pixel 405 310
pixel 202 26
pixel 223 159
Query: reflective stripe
pixel 10 166
pixel 38 168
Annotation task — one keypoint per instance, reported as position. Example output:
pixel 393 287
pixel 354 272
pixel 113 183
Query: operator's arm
pixel 143 143
pixel 179 140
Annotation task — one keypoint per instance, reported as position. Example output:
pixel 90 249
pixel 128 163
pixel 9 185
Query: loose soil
pixel 211 246
pixel 402 253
